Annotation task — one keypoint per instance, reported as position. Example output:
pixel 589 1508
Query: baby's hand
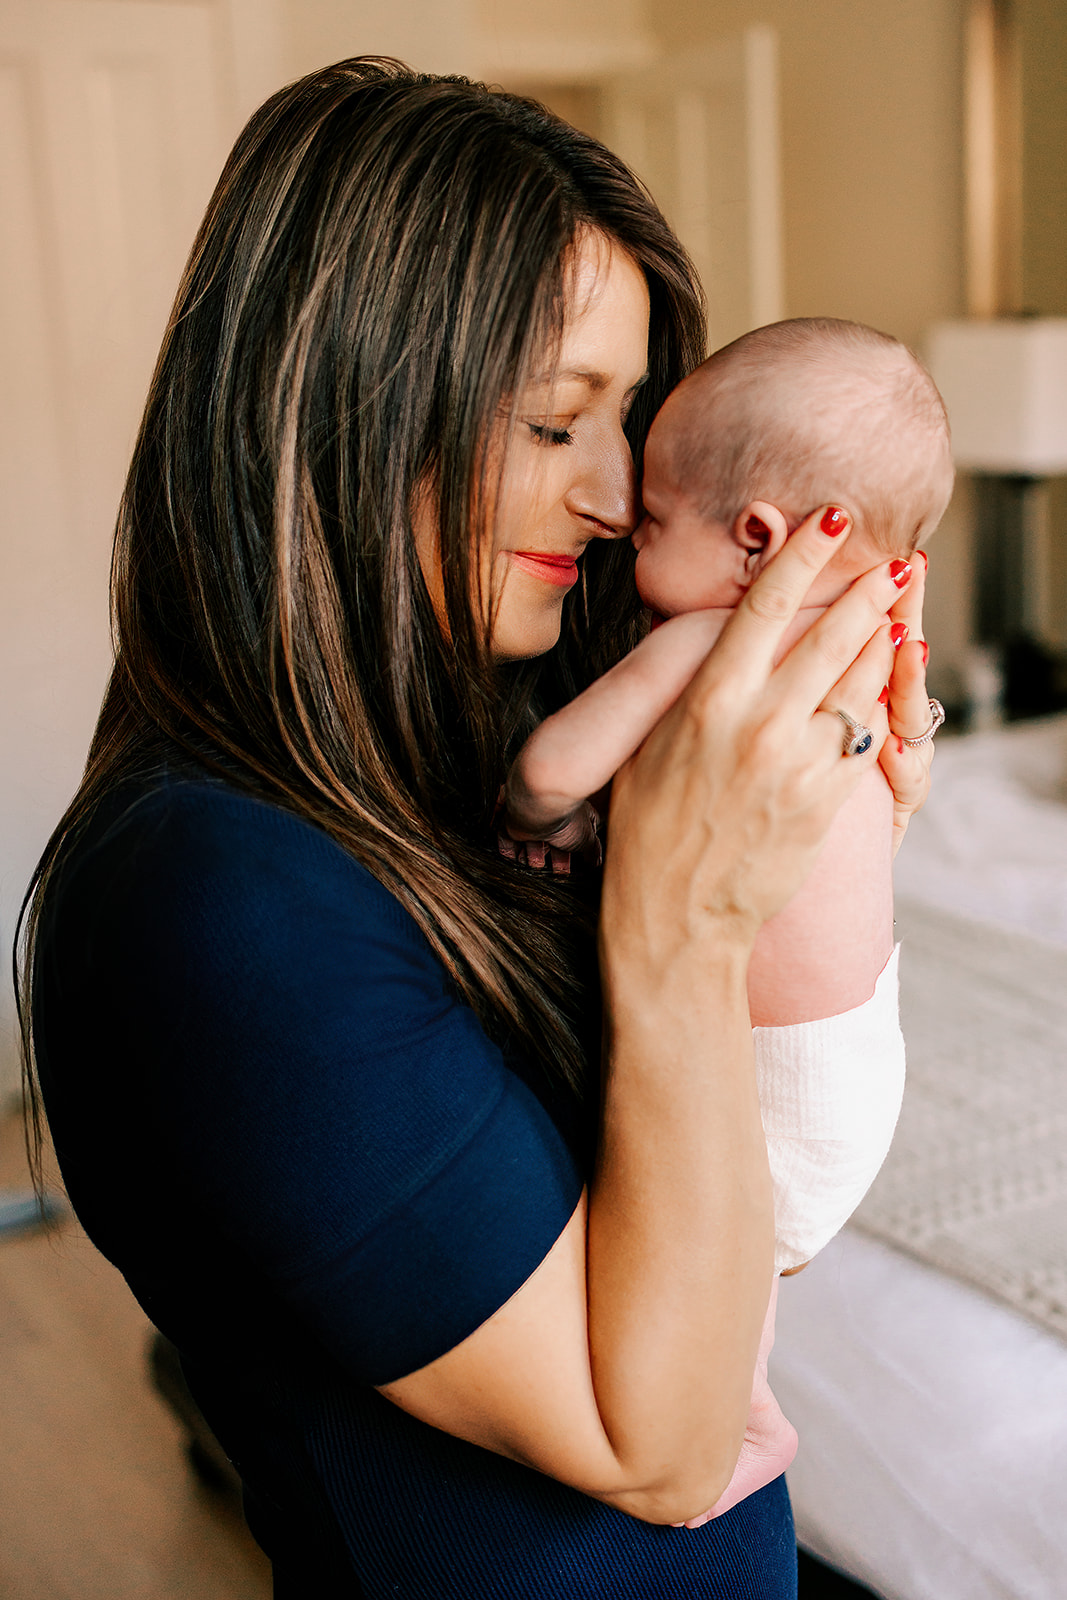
pixel 576 833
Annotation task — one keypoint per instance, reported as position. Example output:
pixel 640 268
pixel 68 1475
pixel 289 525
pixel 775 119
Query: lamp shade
pixel 1004 384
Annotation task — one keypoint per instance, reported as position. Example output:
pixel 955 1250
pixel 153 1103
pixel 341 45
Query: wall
pixel 870 109
pixel 434 35
pixel 1042 40
pixel 494 39
pixel 872 188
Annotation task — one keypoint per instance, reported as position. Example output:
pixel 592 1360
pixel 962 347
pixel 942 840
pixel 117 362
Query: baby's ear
pixel 761 530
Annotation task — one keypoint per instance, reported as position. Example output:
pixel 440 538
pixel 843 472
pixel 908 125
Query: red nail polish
pixel 900 572
pixel 924 558
pixel 926 653
pixel 883 698
pixel 898 633
pixel 834 522
pixel 900 744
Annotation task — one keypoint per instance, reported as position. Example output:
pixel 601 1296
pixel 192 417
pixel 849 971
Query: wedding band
pixel 858 739
pixel 937 717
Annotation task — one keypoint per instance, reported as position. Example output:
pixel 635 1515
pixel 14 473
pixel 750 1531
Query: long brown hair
pixel 381 264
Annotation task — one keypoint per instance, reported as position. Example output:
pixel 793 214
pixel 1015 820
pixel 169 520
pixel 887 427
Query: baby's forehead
pixel 660 466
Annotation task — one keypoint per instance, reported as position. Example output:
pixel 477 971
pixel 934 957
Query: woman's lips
pixel 560 570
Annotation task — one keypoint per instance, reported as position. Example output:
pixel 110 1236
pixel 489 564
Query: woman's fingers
pixel 754 633
pixel 907 769
pixel 857 692
pixel 909 703
pixel 909 608
pixel 822 658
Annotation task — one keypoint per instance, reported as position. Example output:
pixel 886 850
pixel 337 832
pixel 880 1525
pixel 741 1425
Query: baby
pixel 787 418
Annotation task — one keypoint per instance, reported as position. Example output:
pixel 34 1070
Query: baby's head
pixel 786 419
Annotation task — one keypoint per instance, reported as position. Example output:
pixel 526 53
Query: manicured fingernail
pixel 900 744
pixel 924 558
pixel 900 572
pixel 926 653
pixel 834 521
pixel 883 698
pixel 898 633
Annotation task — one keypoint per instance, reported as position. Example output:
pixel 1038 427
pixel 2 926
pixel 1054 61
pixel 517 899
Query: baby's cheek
pixel 672 579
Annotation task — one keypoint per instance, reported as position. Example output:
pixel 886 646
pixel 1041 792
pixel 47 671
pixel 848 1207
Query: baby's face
pixel 685 561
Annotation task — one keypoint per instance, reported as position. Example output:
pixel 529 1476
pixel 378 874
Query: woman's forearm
pixel 623 1366
pixel 680 1233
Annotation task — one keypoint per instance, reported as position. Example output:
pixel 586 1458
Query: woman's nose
pixel 606 492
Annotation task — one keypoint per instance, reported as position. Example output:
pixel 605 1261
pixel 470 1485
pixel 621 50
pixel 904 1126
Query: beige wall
pixel 433 35
pixel 872 191
pixel 1042 34
pixel 870 109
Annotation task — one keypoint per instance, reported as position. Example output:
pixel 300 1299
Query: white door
pixel 702 131
pixel 115 116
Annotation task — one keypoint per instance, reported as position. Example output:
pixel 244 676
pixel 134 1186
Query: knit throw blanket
pixel 976 1180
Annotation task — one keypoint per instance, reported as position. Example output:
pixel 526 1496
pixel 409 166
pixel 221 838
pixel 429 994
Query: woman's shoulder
pixel 214 902
pixel 186 843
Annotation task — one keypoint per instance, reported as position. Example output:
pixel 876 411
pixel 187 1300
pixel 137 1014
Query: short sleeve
pixel 282 1035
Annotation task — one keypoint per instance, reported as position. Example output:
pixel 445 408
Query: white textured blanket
pixel 976 1181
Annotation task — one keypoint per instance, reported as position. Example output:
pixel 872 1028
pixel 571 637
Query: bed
pixel 923 1355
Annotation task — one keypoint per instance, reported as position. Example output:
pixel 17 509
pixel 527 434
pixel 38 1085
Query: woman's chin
pixel 522 638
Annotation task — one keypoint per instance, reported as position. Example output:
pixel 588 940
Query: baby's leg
pixel 770 1441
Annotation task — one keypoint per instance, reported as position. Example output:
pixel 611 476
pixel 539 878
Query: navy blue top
pixel 318 1174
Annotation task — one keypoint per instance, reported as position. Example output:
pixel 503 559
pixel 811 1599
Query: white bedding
pixel 933 1421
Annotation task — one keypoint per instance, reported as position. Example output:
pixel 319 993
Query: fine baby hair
pixel 816 411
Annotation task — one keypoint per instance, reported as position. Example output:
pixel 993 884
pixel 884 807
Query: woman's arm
pixel 624 1365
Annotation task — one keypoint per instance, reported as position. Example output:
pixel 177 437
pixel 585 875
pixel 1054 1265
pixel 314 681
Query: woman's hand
pixel 728 800
pixel 908 770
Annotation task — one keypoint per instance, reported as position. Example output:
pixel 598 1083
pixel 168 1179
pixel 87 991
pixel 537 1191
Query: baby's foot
pixel 770 1441
pixel 768 1449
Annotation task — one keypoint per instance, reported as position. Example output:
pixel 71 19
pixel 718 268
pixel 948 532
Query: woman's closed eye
pixel 544 433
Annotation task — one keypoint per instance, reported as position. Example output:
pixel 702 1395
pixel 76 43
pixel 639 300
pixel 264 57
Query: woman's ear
pixel 761 530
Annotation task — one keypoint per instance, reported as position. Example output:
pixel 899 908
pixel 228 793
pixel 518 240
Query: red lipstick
pixel 558 569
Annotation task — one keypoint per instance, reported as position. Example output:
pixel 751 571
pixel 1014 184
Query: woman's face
pixel 567 475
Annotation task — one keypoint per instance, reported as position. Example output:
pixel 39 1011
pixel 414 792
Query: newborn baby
pixel 786 419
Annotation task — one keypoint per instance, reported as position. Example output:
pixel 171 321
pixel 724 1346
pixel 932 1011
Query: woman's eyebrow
pixel 596 381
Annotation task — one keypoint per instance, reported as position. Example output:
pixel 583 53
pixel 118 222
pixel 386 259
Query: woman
pixel 285 994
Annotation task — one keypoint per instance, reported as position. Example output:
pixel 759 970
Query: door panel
pixel 114 119
pixel 702 131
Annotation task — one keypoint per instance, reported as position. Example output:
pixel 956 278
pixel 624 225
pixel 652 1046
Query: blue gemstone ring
pixel 858 739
